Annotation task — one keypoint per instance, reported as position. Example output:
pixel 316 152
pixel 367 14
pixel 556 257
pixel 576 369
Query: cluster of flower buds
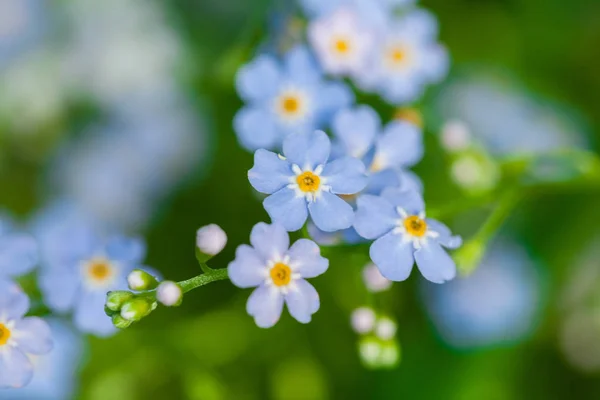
pixel 377 345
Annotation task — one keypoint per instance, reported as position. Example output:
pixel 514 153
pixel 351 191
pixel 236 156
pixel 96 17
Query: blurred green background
pixel 210 349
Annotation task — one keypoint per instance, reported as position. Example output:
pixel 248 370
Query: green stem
pixel 205 268
pixel 505 206
pixel 204 279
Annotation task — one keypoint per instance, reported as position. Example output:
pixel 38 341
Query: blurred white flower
pixel 456 136
pixel 363 320
pixel 385 328
pixel 374 281
pixel 211 239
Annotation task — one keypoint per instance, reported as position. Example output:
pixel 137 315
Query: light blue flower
pixel 373 10
pixel 79 266
pixel 278 272
pixel 498 304
pixel 55 376
pixel 22 26
pixel 303 182
pixel 406 60
pixel 18 251
pixel 284 97
pixel 19 337
pixel 403 235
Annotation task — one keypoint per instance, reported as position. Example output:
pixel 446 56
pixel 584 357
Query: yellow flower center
pixel 415 226
pixel 4 334
pixel 308 182
pixel 99 270
pixel 290 104
pixel 281 274
pixel 341 46
pixel 397 55
pixel 411 115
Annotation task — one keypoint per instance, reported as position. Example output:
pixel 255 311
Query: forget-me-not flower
pixel 396 219
pixel 20 337
pixel 279 272
pixel 302 181
pixel 18 251
pixel 284 97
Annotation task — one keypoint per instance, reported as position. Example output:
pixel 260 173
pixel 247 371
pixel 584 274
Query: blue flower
pixel 397 220
pixel 303 181
pixel 19 337
pixel 406 59
pixel 22 26
pixel 18 251
pixel 55 374
pixel 79 267
pixel 284 98
pixel 278 271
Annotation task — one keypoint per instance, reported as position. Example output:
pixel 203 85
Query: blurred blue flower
pixel 55 376
pixel 18 251
pixel 397 220
pixel 79 267
pixel 22 25
pixel 406 59
pixel 278 271
pixel 375 10
pixel 19 337
pixel 498 304
pixel 303 181
pixel 284 97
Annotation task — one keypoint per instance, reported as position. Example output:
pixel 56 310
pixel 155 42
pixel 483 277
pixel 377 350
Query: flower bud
pixel 390 355
pixel 369 350
pixel 210 240
pixel 141 280
pixel 169 293
pixel 136 309
pixel 456 136
pixel 116 299
pixel 120 322
pixel 385 328
pixel 374 281
pixel 363 320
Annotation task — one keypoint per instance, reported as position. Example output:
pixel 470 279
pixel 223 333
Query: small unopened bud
pixel 116 299
pixel 136 309
pixel 385 328
pixel 120 322
pixel 141 280
pixel 369 350
pixel 363 320
pixel 456 136
pixel 390 354
pixel 210 240
pixel 169 294
pixel 374 281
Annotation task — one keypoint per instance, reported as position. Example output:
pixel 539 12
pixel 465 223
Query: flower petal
pixel 59 286
pixel 381 180
pixel 393 256
pixel 16 368
pixel 259 79
pixel 306 259
pixel 124 249
pixel 32 335
pixel 256 128
pixel 270 241
pixel 287 209
pixel 446 238
pixel 89 314
pixel 265 304
pixel 270 172
pixel 374 217
pixel 330 213
pixel 409 181
pixel 411 201
pixel 248 269
pixel 307 149
pixel 300 66
pixel 332 97
pixel 434 263
pixel 302 301
pixel 401 144
pixel 355 130
pixel 18 254
pixel 14 303
pixel 345 176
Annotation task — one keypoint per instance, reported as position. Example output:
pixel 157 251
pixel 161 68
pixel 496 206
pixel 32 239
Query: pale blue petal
pixel 256 128
pixel 306 260
pixel 14 303
pixel 436 63
pixel 317 8
pixel 409 181
pixel 434 263
pixel 393 257
pixel 330 213
pixel 446 238
pixel 127 250
pixel 270 241
pixel 259 79
pixel 381 180
pixel 400 145
pixel 287 209
pixel 248 269
pixel 332 97
pixel 302 301
pixel 374 217
pixel 411 201
pixel 301 67
pixel 345 176
pixel 307 149
pixel 421 24
pixel 355 130
pixel 270 172
pixel 402 90
pixel 18 254
pixel 89 316
pixel 32 335
pixel 59 287
pixel 16 368
pixel 323 238
pixel 265 304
